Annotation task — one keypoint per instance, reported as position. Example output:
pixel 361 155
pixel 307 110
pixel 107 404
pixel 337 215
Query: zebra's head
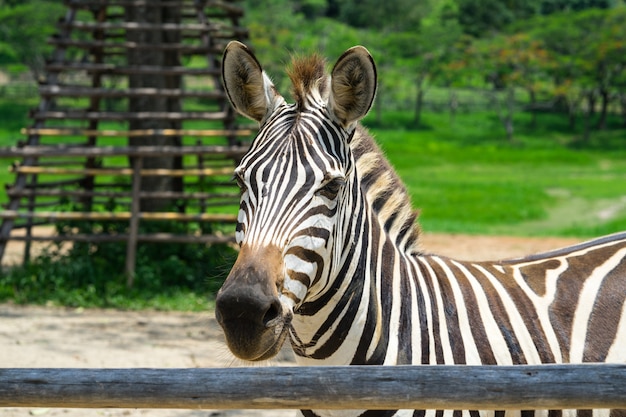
pixel 293 180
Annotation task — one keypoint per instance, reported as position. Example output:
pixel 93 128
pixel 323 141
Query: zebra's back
pixel 563 306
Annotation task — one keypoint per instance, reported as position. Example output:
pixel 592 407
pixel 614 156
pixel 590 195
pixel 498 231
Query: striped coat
pixel 330 255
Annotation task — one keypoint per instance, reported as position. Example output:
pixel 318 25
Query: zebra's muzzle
pixel 248 307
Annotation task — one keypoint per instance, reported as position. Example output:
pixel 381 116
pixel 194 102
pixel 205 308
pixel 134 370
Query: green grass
pixel 465 177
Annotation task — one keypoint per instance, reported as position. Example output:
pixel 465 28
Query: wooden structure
pixel 133 125
pixel 450 387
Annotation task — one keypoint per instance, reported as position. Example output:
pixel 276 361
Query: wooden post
pixel 29 222
pixel 100 15
pixel 201 178
pixel 520 387
pixel 133 227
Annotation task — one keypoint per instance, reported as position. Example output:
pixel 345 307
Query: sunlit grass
pixel 533 186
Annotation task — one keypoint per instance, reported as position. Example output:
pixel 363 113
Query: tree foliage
pixel 566 52
pixel 566 49
pixel 482 18
pixel 24 28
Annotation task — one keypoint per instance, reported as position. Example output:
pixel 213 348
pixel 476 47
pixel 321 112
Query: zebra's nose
pixel 248 307
pixel 247 303
pixel 250 292
pixel 252 320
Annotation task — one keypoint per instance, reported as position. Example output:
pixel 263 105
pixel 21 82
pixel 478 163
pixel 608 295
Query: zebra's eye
pixel 331 188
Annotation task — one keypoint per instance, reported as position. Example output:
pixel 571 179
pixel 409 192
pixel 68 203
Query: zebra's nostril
pixel 272 313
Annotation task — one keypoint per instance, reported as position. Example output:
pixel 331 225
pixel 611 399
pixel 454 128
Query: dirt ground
pixel 61 337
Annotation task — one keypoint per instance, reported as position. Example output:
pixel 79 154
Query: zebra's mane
pixel 383 188
pixel 386 192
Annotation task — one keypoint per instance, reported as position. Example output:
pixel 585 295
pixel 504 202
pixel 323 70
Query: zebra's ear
pixel 249 89
pixel 353 85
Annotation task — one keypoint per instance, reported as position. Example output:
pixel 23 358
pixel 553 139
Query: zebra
pixel 330 258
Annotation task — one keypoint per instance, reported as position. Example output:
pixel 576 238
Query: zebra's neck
pixel 384 302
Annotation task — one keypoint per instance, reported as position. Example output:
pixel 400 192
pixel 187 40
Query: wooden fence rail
pixel 52 216
pixel 156 172
pixel 519 387
pixel 103 151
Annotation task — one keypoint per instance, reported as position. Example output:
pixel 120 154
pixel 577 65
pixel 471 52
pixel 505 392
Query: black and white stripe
pixel 353 285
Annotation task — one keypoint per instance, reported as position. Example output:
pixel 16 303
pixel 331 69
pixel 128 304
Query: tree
pixel 393 15
pixel 481 18
pixel 274 34
pixel 507 63
pixel 157 57
pixel 565 43
pixel 616 54
pixel 453 69
pixel 24 28
pixel 588 58
pixel 554 6
pixel 409 59
pixel 609 57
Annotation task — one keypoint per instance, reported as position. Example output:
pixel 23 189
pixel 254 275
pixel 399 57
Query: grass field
pixel 466 177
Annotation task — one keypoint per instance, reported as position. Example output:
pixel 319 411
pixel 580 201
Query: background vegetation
pixel 502 118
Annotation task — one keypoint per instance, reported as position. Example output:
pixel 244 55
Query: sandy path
pixel 59 337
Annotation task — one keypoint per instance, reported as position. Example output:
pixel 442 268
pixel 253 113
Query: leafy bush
pixel 167 276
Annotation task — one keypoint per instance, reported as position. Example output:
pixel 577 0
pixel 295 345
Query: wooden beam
pixel 123 116
pixel 157 172
pixel 115 215
pixel 161 27
pixel 120 237
pixel 521 387
pixel 232 10
pixel 84 91
pixel 183 195
pixel 91 44
pixel 57 66
pixel 70 150
pixel 58 131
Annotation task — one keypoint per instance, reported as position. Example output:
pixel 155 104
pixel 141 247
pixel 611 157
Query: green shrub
pixel 167 276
